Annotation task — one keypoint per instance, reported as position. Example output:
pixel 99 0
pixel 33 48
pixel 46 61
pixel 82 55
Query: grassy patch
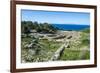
pixel 74 55
pixel 46 50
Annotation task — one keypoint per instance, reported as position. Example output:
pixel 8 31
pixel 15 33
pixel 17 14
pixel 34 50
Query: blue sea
pixel 70 26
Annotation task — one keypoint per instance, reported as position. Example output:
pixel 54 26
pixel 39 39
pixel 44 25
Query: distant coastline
pixel 70 27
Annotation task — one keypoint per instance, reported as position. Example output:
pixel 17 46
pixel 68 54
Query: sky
pixel 55 17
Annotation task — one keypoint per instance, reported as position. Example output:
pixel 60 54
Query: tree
pixel 26 26
pixel 30 24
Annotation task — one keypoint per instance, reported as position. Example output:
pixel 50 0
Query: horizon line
pixel 55 23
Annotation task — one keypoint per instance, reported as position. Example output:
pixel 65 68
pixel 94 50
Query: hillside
pixel 43 42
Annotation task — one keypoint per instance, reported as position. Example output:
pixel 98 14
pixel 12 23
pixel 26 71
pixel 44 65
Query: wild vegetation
pixel 39 27
pixel 41 41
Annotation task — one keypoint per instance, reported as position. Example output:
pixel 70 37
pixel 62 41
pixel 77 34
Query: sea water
pixel 70 26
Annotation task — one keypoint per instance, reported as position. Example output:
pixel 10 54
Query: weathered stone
pixel 32 52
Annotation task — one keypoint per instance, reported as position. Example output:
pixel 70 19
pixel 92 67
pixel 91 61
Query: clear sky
pixel 56 17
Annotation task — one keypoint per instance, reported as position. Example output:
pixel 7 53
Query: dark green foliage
pixel 85 41
pixel 85 37
pixel 26 26
pixel 26 30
